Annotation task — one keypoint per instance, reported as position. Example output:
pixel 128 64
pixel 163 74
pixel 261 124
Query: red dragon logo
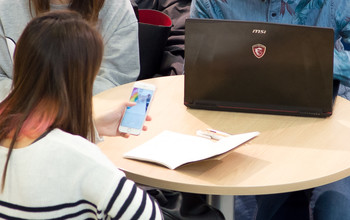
pixel 259 50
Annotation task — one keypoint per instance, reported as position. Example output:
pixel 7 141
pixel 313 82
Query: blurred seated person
pixel 115 20
pixel 322 13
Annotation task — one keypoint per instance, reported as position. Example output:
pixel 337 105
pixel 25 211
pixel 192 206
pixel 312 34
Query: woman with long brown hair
pixel 114 19
pixel 49 167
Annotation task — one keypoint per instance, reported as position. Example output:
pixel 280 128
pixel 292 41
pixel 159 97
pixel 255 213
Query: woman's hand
pixel 108 120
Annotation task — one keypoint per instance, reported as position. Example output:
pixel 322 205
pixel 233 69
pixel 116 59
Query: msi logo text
pixel 257 31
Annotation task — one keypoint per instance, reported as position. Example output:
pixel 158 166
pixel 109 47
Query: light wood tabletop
pixel 291 153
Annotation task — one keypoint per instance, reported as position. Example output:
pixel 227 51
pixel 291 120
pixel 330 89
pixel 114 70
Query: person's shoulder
pixel 117 14
pixel 18 8
pixel 341 2
pixel 338 4
pixel 5 3
pixel 14 5
pixel 341 10
pixel 113 6
pixel 65 137
pixel 206 2
pixel 75 145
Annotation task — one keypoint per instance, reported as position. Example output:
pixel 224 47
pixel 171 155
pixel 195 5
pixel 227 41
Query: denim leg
pixel 332 201
pixel 268 205
pixel 245 207
pixel 344 91
pixel 332 205
pixel 284 206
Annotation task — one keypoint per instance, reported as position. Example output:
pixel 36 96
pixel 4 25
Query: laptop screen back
pixel 258 67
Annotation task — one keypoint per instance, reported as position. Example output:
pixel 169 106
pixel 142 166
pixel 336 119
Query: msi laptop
pixel 259 67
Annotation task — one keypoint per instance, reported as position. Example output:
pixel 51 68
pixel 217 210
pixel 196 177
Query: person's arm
pixel 120 63
pixel 5 84
pixel 119 29
pixel 106 186
pixel 130 202
pixel 202 9
pixel 115 196
pixel 5 66
pixel 341 25
pixel 342 64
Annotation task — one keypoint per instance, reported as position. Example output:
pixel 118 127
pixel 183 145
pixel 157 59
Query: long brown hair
pixel 89 9
pixel 56 61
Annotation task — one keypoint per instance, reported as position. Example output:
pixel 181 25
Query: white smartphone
pixel 134 116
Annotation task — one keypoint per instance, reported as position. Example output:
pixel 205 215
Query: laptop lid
pixel 258 67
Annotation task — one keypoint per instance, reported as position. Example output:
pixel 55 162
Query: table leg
pixel 224 203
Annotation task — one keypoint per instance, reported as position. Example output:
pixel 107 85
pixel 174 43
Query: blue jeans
pixel 328 202
pixel 332 201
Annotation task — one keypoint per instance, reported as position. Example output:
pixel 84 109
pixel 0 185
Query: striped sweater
pixel 63 176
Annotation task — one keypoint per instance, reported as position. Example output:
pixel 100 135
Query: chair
pixel 154 29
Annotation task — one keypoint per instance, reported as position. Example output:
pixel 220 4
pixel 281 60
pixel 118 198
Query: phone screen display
pixel 134 116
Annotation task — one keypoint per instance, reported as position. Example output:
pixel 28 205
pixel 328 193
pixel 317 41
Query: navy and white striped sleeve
pixel 130 202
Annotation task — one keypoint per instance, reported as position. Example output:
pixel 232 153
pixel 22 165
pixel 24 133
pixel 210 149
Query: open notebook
pixel 173 149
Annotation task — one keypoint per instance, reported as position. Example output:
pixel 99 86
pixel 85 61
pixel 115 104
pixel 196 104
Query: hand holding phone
pixel 134 116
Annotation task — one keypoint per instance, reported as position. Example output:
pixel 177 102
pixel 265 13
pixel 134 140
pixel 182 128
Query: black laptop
pixel 259 67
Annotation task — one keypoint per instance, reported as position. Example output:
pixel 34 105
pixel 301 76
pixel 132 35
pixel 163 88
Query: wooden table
pixel 291 153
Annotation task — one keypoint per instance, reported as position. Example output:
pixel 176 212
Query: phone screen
pixel 134 116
